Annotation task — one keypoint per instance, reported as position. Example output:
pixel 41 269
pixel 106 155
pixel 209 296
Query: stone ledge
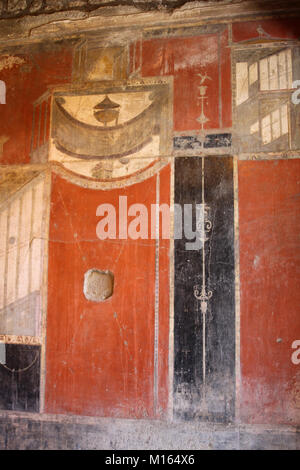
pixel 67 23
pixel 19 8
pixel 27 431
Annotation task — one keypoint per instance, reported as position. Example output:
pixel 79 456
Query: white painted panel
pixel 36 248
pixel 26 216
pixel 273 70
pixel 2 92
pixel 2 353
pixel 284 120
pixel 24 261
pixel 276 131
pixel 242 88
pixel 38 209
pixel 254 128
pixel 37 242
pixel 3 228
pixel 282 70
pixel 23 281
pixel 13 238
pixel 264 74
pixel 266 129
pixel 253 73
pixel 289 68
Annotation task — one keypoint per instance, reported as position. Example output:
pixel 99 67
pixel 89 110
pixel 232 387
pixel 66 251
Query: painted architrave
pixel 204 298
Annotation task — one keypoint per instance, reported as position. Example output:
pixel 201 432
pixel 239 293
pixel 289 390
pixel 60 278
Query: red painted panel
pixel 226 96
pixel 131 54
pixel 269 208
pixel 164 302
pixel 280 28
pixel 138 55
pixel 100 356
pixel 185 58
pixel 25 83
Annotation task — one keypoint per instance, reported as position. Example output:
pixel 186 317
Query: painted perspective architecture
pixel 138 342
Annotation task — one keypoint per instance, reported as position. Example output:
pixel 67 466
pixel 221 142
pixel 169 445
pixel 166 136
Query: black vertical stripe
pixel 219 387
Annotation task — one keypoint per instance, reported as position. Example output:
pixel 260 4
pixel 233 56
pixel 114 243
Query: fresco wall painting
pixel 160 116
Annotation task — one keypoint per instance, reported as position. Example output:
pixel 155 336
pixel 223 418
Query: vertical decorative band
pixel 156 312
pixel 204 293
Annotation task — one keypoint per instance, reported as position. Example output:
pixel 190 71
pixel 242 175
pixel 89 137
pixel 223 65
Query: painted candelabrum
pixel 202 97
pixel 201 292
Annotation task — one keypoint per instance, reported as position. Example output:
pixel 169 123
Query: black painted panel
pixel 217 140
pixel 204 389
pixel 20 378
pixel 192 142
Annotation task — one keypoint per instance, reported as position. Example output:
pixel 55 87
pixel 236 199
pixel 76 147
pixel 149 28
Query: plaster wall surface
pixel 192 105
